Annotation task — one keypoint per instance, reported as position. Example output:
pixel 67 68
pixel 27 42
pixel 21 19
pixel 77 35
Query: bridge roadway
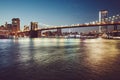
pixel 35 33
pixel 82 25
pixel 78 26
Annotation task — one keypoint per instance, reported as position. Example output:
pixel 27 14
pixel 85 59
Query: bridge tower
pixel 34 25
pixel 33 30
pixel 102 15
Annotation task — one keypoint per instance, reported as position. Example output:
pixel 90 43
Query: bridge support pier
pixel 59 31
pixel 33 34
pixel 39 33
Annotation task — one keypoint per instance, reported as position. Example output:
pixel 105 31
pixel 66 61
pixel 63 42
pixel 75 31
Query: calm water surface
pixel 59 59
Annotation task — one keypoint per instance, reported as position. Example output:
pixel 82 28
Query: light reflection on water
pixel 59 59
pixel 102 57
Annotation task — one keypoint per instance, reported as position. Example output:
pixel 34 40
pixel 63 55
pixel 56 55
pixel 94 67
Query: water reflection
pixel 101 57
pixel 59 59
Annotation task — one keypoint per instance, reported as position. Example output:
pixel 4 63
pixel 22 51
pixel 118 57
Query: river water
pixel 59 59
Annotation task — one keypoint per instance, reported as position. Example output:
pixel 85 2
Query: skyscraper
pixel 15 25
pixel 102 15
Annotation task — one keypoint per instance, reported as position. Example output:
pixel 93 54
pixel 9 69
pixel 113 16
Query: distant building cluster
pixel 14 27
pixel 9 29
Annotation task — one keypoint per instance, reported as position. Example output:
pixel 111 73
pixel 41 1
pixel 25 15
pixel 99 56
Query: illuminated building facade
pixel 9 27
pixel 15 25
pixel 103 14
pixel 3 32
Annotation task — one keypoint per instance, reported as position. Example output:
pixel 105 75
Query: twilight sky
pixel 55 12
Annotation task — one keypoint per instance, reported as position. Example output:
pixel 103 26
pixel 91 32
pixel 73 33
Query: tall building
pixel 9 27
pixel 15 25
pixel 102 15
pixel 34 25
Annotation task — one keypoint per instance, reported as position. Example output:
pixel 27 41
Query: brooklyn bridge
pixel 103 23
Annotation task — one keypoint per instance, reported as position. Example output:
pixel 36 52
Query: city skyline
pixel 54 12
